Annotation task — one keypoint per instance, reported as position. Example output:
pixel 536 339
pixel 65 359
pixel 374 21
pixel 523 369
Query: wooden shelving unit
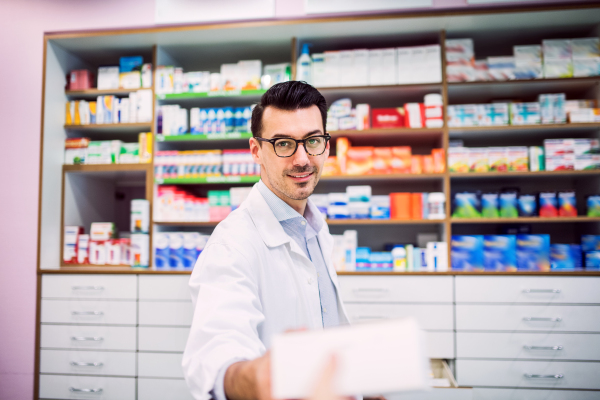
pixel 93 93
pixel 519 174
pixel 107 167
pixel 525 220
pixel 129 127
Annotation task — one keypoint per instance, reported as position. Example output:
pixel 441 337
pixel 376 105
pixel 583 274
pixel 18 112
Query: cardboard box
pixel 388 118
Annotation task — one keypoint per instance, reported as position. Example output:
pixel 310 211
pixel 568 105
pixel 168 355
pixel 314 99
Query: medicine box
pixel 518 158
pixel 140 250
pixel 525 113
pixel 140 216
pixel 70 240
pixel 100 231
pixel 500 252
pixel 458 159
pixel 467 252
pixel 498 158
pixel 493 114
pixel 533 252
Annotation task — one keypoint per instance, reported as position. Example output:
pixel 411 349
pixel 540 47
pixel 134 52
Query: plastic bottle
pixel 304 65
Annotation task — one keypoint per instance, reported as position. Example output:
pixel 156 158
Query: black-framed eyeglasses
pixel 286 147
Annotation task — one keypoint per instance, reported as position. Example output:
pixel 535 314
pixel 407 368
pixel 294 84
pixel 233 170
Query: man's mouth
pixel 301 177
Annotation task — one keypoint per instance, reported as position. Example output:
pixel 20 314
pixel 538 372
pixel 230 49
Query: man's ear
pixel 256 150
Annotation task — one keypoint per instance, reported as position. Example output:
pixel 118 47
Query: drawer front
pixel 88 337
pixel 170 287
pixel 429 316
pixel 533 394
pixel 494 317
pixel 162 339
pixel 551 346
pixel 87 362
pixel 435 394
pixel 575 375
pixel 440 344
pixel 527 289
pixel 62 386
pixel 163 389
pixel 89 286
pixel 404 289
pixel 89 312
pixel 160 365
pixel 167 313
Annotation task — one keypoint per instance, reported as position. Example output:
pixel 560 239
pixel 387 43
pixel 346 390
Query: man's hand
pixel 249 380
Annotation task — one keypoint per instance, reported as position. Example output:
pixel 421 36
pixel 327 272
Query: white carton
pixel 347 70
pixel 332 68
pixel 319 74
pixel 140 216
pixel 140 249
pixel 361 67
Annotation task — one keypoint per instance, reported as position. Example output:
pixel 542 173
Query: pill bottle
pixel 436 202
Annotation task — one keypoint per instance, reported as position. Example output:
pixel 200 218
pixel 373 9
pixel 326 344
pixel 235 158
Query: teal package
pixel 590 243
pixel 466 205
pixel 363 258
pixel 508 205
pixel 576 254
pixel 533 252
pixel 500 252
pixel 561 257
pixel 489 205
pixel 467 252
pixel 527 205
pixel 593 206
pixel 592 260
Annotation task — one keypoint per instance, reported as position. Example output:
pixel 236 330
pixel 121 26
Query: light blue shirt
pixel 303 230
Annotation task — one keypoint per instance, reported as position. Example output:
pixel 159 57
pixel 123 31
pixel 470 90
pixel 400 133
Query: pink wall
pixel 22 24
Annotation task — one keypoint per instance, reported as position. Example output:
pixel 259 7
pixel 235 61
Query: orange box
pixel 428 165
pixel 400 205
pixel 341 151
pixel 382 160
pixel 401 162
pixel 359 160
pixel 416 206
pixel 439 160
pixel 416 164
pixel 331 167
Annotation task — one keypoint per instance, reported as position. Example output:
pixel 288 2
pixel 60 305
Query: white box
pixel 140 216
pixel 347 70
pixel 140 249
pixel 108 78
pixel 144 106
pixel 361 67
pixel 397 348
pixel 333 68
pixel 319 74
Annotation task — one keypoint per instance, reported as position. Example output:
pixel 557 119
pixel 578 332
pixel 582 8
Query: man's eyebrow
pixel 281 135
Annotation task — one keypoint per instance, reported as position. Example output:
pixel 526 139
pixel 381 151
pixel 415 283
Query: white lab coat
pixel 252 281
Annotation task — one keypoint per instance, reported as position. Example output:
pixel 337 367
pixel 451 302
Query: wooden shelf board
pixel 97 92
pixel 591 79
pixel 136 126
pixel 523 220
pixel 329 222
pixel 521 174
pixel 107 269
pixel 209 95
pixel 382 177
pixel 379 87
pixel 203 138
pixel 391 132
pixel 107 167
pixel 208 180
pixel 186 223
pixel 566 126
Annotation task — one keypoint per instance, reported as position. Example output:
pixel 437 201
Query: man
pixel 267 267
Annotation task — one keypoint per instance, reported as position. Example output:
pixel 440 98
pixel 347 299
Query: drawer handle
pixel 87 338
pixel 534 376
pixel 84 364
pixel 87 287
pixel 87 313
pixel 526 347
pixel 541 290
pixel 535 319
pixel 78 390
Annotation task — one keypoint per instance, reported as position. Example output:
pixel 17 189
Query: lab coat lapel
pixel 269 229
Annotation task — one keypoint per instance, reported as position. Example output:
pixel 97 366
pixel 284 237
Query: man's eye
pixel 282 143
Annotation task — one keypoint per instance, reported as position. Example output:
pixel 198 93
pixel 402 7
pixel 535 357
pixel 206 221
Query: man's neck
pixel 298 205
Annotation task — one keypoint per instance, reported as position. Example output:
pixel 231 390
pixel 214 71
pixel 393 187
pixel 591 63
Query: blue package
pixel 229 119
pixel 467 252
pixel 161 254
pixel 500 252
pixel 381 261
pixel 190 252
pixel 590 243
pixel 527 205
pixel 533 252
pixel 508 205
pixel 466 205
pixel 238 119
pixel 577 256
pixel 489 205
pixel 363 259
pixel 175 250
pixel 425 205
pixel 561 257
pixel 221 128
pixel 592 260
pixel 128 64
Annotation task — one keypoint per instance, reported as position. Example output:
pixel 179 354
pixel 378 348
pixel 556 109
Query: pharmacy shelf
pixel 208 180
pixel 524 174
pixel 93 93
pixel 187 223
pixel 383 177
pixel 523 220
pixel 518 130
pixel 189 137
pixel 109 269
pixel 107 167
pixel 215 94
pixel 403 133
pixel 113 128
pixel 336 222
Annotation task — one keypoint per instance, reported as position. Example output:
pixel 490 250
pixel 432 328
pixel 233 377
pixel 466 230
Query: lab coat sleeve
pixel 227 316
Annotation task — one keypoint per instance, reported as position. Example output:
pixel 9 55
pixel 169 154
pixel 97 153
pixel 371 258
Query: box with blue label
pixel 467 252
pixel 363 259
pixel 533 252
pixel 500 252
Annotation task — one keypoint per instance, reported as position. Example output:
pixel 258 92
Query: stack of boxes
pixel 84 151
pixel 131 73
pixel 111 109
pixel 178 250
pixel 173 164
pixel 572 154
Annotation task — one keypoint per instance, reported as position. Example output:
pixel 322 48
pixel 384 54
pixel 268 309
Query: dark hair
pixel 289 96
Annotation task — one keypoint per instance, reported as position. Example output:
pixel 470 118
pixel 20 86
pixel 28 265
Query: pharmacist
pixel 267 267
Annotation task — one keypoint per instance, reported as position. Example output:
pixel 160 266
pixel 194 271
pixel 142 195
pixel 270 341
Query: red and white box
pixel 382 118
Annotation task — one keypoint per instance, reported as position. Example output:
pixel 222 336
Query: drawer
pixel 168 313
pixel 160 365
pixel 170 287
pixel 435 394
pixel 62 386
pixel 89 312
pixel 527 289
pixel 87 362
pixel 575 375
pixel 89 286
pixel 163 389
pixel 494 317
pixel 429 316
pixel 440 344
pixel 88 337
pixel 552 346
pixel 404 289
pixel 162 339
pixel 532 394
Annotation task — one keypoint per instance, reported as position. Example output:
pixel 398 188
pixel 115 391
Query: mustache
pixel 300 170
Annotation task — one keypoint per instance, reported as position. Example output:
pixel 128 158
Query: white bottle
pixel 304 66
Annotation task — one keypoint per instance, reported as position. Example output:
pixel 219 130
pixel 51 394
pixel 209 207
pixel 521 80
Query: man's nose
pixel 300 158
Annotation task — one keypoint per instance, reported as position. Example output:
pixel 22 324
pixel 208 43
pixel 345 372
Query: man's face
pixel 292 177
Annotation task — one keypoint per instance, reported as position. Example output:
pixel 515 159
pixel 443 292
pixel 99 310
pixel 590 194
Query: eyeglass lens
pixel 286 147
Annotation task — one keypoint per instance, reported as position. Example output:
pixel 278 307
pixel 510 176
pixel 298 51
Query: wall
pixel 22 24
